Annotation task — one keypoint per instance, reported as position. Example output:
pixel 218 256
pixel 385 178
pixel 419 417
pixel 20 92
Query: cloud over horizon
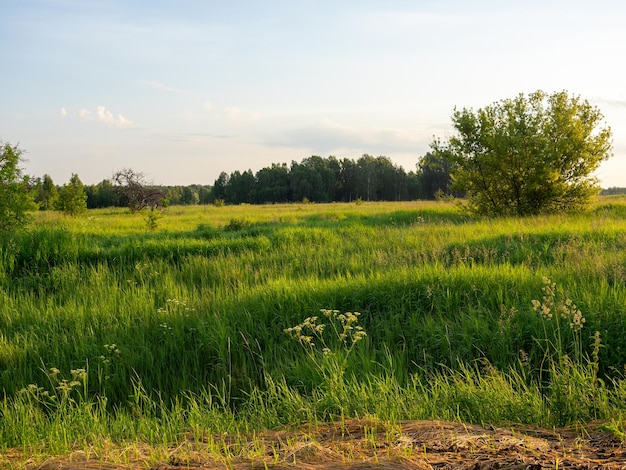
pixel 104 116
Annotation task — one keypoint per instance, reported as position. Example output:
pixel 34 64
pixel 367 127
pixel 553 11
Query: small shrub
pixel 236 224
pixel 152 220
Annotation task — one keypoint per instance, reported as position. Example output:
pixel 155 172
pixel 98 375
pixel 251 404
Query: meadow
pixel 119 329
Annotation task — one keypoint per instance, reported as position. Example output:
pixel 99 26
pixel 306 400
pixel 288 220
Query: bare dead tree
pixel 138 192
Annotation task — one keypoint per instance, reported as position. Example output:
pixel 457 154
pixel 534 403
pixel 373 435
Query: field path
pixel 362 444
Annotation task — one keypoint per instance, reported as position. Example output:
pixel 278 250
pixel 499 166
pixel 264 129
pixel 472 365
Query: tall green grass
pixel 112 327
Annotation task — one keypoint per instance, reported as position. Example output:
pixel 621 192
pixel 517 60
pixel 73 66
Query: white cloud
pixel 63 112
pixel 85 115
pixel 105 116
pixel 207 106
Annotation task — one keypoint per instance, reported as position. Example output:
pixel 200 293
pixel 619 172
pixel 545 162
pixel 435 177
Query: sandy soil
pixel 366 444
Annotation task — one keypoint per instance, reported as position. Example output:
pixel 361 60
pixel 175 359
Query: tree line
pixel 318 179
pixel 314 179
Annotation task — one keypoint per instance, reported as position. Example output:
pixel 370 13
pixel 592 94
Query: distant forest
pixel 314 179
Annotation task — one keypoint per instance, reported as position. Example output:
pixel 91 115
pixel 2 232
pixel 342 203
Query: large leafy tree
pixel 15 194
pixel 528 155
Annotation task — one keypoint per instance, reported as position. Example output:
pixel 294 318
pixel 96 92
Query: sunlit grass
pixel 181 326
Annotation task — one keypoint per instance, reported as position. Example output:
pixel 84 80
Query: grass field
pixel 117 330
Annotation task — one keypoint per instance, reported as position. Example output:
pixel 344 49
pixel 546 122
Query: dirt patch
pixel 363 444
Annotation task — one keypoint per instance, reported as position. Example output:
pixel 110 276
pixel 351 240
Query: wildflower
pixel 112 349
pixel 577 321
pixel 329 313
pixel 80 374
pixel 67 386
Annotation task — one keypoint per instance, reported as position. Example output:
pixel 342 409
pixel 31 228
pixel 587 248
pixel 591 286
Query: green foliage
pixel 317 179
pixel 15 196
pixel 183 329
pixel 434 173
pixel 152 219
pixel 72 198
pixel 528 155
pixel 103 194
pixel 236 224
pixel 46 193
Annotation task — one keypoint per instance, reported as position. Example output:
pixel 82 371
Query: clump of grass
pixel 236 224
pixel 329 346
pixel 574 391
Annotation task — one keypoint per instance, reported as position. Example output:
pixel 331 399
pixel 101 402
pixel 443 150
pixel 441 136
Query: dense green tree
pixel 367 178
pixel 72 197
pixel 241 187
pixel 205 194
pixel 347 180
pixel 46 192
pixel 413 186
pixel 433 170
pixel 15 194
pixel 174 195
pixel 103 194
pixel 189 196
pixel 333 166
pixel 313 179
pixel 220 186
pixel 304 182
pixel 272 184
pixel 389 179
pixel 528 155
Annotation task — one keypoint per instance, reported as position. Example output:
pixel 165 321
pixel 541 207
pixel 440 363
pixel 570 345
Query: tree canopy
pixel 72 197
pixel 528 155
pixel 15 194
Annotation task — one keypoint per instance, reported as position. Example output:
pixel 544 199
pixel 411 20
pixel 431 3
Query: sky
pixel 183 90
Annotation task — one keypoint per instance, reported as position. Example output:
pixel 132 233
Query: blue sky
pixel 182 90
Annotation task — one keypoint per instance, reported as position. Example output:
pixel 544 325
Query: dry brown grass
pixel 360 444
